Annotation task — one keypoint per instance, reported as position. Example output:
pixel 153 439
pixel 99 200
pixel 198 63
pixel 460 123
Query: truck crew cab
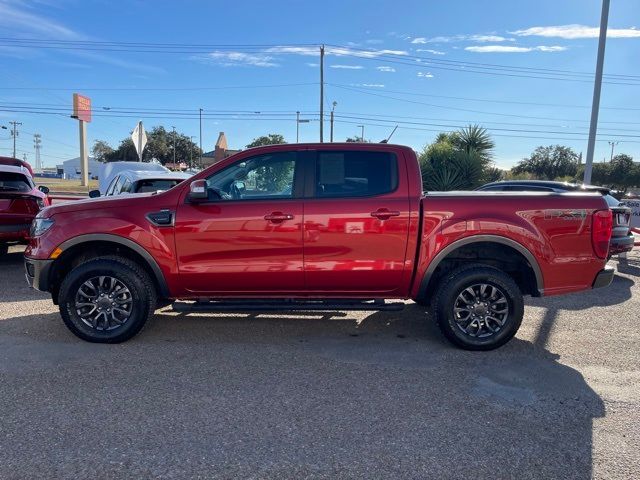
pixel 317 226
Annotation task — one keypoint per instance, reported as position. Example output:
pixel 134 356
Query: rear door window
pixel 14 182
pixel 355 174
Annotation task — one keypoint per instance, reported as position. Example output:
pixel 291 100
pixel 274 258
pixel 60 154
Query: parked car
pixel 15 162
pixel 316 227
pixel 133 181
pixel 20 201
pixel 622 239
pixel 109 170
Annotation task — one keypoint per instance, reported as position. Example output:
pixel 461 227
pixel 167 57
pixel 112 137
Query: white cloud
pixel 20 19
pixel 373 41
pixel 385 69
pixel 24 20
pixel 573 31
pixel 425 74
pixel 513 49
pixel 479 38
pixel 430 50
pixel 370 85
pixel 237 59
pixel 336 51
pixel 308 64
pixel 347 67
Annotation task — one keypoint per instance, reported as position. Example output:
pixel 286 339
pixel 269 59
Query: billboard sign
pixel 81 107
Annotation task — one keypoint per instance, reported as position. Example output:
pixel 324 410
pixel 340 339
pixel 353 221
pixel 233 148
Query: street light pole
pixel 361 133
pixel 613 144
pixel 321 93
pixel 595 106
pixel 333 107
pixel 191 151
pixel 297 127
pixel 200 138
pixel 174 145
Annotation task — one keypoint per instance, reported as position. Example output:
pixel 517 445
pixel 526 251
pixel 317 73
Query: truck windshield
pixel 16 182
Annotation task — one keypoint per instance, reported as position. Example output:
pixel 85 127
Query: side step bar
pixel 256 305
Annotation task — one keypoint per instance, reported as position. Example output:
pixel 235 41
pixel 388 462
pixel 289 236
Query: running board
pixel 255 305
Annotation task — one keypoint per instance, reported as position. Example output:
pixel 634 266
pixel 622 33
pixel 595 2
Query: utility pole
pixel 174 144
pixel 333 107
pixel 595 106
pixel 14 134
pixel 613 144
pixel 361 133
pixel 321 93
pixel 37 140
pixel 200 138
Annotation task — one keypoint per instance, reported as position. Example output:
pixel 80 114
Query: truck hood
pixel 120 201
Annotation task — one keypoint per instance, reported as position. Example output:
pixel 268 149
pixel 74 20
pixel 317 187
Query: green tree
pixel 159 145
pixel 271 139
pixel 356 139
pixel 474 137
pixel 101 150
pixel 549 163
pixel 452 162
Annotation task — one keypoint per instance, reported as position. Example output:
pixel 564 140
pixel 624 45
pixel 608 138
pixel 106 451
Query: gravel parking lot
pixel 335 395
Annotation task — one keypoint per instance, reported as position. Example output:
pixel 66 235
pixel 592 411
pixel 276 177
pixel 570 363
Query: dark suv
pixel 621 239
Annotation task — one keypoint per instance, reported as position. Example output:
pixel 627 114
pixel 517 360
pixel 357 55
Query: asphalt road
pixel 341 395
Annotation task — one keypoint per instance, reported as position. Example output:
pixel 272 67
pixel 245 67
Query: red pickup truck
pixel 317 227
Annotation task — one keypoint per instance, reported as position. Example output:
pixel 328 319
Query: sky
pixel 524 70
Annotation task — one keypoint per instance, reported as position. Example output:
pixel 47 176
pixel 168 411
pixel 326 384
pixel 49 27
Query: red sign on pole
pixel 81 107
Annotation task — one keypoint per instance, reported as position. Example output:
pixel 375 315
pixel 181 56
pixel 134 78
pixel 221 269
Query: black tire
pixel 452 294
pixel 141 305
pixel 4 249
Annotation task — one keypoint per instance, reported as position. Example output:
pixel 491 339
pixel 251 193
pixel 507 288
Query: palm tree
pixel 477 138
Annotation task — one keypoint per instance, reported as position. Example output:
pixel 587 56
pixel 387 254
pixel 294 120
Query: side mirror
pixel 198 191
pixel 43 189
pixel 94 193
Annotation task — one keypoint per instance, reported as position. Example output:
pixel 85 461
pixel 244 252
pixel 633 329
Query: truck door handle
pixel 385 213
pixel 278 217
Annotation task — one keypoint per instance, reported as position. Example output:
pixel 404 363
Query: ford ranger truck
pixel 317 227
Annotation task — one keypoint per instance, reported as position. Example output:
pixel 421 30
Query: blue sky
pixel 387 63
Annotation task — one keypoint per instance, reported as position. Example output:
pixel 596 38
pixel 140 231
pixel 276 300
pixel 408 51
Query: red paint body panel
pixel 18 209
pixel 333 247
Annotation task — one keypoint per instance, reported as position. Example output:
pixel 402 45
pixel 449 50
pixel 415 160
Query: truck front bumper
pixel 604 277
pixel 37 273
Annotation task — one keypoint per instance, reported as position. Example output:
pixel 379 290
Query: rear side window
pixel 112 186
pixel 355 174
pixel 14 182
pixel 145 186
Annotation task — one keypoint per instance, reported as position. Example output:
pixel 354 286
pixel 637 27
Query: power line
pixel 370 53
pixel 355 89
pixel 162 89
pixel 471 99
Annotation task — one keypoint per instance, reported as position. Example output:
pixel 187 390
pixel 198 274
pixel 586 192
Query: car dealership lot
pixel 329 395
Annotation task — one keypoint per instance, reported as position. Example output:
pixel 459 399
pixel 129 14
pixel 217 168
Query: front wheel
pixel 107 299
pixel 478 307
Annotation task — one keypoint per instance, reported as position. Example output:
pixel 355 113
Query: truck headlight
pixel 39 226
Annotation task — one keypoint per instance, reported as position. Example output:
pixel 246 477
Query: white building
pixel 71 168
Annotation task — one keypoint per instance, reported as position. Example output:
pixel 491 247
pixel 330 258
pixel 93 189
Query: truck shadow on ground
pixel 618 292
pixel 386 388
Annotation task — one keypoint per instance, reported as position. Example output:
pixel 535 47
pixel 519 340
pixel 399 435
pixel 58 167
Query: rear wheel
pixel 478 307
pixel 107 299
